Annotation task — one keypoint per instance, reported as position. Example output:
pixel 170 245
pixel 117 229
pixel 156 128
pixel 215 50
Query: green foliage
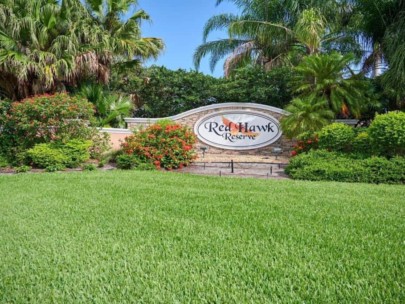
pixel 111 108
pixel 76 151
pixel 42 119
pixel 164 144
pixel 253 84
pixel 3 161
pixel 362 144
pixel 336 137
pixel 159 92
pixel 331 166
pixel 51 155
pixel 22 169
pixel 100 144
pixel 47 45
pixel 308 114
pixel 47 155
pixel 162 92
pixel 126 162
pixel 55 168
pixel 387 133
pixel 324 77
pixel 89 167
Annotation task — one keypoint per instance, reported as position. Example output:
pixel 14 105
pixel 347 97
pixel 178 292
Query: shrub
pixel 22 169
pixel 100 145
pixel 59 156
pixel 306 142
pixel 47 155
pixel 89 167
pixel 164 144
pixel 336 137
pixel 387 134
pixel 126 162
pixel 43 119
pixel 332 166
pixel 383 170
pixel 362 144
pixel 76 151
pixel 3 162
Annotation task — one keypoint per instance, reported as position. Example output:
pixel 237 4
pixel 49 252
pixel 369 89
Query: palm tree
pixel 325 76
pixel 45 44
pixel 111 109
pixel 269 33
pixel 308 114
pixel 125 35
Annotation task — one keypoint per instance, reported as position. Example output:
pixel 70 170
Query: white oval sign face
pixel 238 130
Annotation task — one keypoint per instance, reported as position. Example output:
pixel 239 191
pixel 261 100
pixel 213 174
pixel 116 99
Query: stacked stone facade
pixel 191 117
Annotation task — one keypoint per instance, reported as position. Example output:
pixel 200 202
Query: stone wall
pixel 189 119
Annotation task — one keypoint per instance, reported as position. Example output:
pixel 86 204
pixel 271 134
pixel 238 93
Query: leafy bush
pixel 164 144
pixel 336 137
pixel 126 162
pixel 47 155
pixel 100 145
pixel 89 167
pixel 332 166
pixel 387 133
pixel 362 144
pixel 22 169
pixel 3 162
pixel 306 142
pixel 43 119
pixel 76 151
pixel 56 157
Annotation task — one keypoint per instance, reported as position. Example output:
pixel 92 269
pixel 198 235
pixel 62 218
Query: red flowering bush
pixel 165 144
pixel 305 143
pixel 47 118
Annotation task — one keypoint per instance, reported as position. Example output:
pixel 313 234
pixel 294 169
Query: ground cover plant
pixel 159 237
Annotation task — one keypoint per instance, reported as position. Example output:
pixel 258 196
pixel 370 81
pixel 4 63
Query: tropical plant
pixel 47 45
pixel 111 108
pixel 308 114
pixel 326 76
pixel 270 33
pixel 125 35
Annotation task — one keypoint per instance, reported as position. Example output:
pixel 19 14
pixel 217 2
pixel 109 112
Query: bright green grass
pixel 114 237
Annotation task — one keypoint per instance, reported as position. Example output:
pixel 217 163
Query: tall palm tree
pixel 125 35
pixel 48 44
pixel 270 32
pixel 45 44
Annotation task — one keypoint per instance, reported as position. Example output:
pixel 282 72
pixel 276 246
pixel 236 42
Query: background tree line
pixel 318 59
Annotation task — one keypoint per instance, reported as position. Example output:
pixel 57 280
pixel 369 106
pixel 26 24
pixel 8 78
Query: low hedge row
pixel 333 166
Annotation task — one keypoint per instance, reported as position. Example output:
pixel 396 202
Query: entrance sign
pixel 238 129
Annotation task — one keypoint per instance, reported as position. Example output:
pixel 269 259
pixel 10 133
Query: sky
pixel 180 24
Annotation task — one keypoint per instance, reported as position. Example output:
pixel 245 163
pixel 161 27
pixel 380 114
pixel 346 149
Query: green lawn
pixel 153 237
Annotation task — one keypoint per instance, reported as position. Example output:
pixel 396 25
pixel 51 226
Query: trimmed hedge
pixel 336 137
pixel 332 166
pixel 387 133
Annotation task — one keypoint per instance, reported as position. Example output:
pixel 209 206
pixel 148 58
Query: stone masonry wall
pixel 190 120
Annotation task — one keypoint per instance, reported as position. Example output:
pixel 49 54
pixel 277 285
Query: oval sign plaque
pixel 238 130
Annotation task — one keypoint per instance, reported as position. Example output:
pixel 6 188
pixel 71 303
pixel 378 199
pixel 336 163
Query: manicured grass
pixel 153 237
